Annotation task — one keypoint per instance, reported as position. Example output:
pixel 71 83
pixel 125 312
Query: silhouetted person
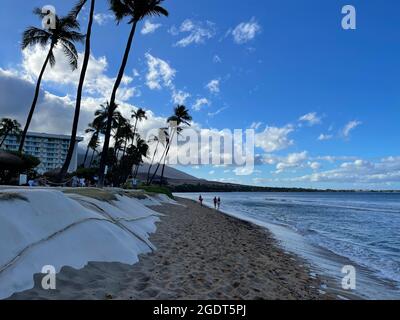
pixel 201 200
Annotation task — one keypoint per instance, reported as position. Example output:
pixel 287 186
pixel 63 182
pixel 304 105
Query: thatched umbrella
pixel 10 161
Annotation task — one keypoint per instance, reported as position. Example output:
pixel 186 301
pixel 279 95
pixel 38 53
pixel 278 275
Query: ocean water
pixel 331 230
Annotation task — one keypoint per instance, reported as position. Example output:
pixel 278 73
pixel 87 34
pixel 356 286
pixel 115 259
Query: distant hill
pixel 170 174
pixel 179 181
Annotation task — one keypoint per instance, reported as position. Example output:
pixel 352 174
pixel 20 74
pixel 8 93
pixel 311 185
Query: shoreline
pixel 322 261
pixel 187 265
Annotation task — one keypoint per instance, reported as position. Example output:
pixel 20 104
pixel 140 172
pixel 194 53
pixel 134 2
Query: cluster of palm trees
pixel 8 127
pixel 129 148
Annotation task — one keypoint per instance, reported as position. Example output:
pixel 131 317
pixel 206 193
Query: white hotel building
pixel 50 149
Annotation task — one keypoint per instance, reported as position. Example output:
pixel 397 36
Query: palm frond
pixel 120 9
pixel 39 12
pixel 72 36
pixel 159 11
pixel 68 23
pixel 52 59
pixel 33 36
pixel 71 53
pixel 143 8
pixel 77 9
pixel 137 9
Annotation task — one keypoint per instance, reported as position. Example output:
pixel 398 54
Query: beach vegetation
pixel 13 163
pixel 94 193
pixel 135 11
pixel 157 190
pixel 8 127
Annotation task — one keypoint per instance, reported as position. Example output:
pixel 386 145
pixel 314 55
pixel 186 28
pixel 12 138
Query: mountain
pixel 173 175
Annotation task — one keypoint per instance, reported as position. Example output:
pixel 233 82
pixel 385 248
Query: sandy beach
pixel 201 254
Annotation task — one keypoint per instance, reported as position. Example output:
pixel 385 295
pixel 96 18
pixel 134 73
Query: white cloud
pixel 213 86
pixel 350 127
pixel 102 18
pixel 159 73
pixel 292 161
pixel 273 139
pixel 325 137
pixel 360 171
pixel 246 31
pixel 311 119
pixel 201 103
pixel 198 32
pixel 180 97
pixel 315 165
pixel 150 27
pixel 333 159
pixel 97 83
pixel 213 114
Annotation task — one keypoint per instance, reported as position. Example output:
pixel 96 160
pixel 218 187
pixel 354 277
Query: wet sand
pixel 201 254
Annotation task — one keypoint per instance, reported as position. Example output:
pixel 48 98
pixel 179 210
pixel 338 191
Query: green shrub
pixel 157 190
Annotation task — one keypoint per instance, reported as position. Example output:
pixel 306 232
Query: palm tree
pixel 127 136
pixel 94 144
pixel 181 116
pixel 75 12
pixel 139 115
pixel 160 139
pixel 8 127
pixel 136 10
pixel 101 117
pixel 123 132
pixel 65 35
pixel 95 130
pixel 142 151
pixel 98 126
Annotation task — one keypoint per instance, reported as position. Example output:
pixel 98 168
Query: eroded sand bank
pixel 201 254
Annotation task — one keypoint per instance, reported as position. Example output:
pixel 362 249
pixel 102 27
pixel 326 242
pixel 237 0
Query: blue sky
pixel 272 62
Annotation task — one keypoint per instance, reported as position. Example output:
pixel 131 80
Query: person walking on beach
pixel 215 203
pixel 219 203
pixel 201 200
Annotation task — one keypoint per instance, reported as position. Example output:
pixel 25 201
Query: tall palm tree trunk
pixel 125 147
pixel 152 162
pixel 165 155
pixel 159 163
pixel 35 99
pixel 136 171
pixel 92 159
pixel 86 59
pixel 112 107
pixel 134 130
pixel 163 168
pixel 86 156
